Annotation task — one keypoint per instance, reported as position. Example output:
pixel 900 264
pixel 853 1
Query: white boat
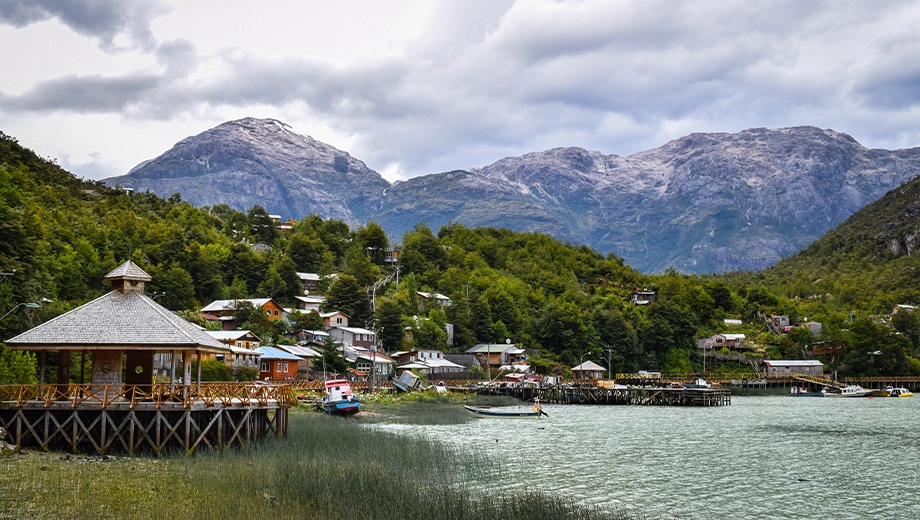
pixel 847 391
pixel 899 392
pixel 698 383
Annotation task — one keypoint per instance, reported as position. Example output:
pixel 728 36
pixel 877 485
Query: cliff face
pixel 702 203
pixel 261 161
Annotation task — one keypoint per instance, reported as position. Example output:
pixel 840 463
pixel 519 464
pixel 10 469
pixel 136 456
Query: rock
pixel 7 448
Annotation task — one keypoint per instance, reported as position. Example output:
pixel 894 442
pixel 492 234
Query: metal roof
pixel 793 363
pixel 229 305
pixel 117 320
pixel 276 353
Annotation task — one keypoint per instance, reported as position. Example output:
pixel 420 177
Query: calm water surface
pixel 761 457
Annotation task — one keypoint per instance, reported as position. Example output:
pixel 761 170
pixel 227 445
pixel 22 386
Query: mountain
pixel 702 203
pixel 707 202
pixel 261 161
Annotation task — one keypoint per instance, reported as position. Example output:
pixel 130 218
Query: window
pixel 338 320
pixel 264 367
pixel 278 366
pixel 276 313
pixel 239 344
pixel 285 366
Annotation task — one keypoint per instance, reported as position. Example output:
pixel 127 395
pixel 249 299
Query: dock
pixel 589 393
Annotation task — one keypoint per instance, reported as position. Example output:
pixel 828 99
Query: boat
pixel 847 391
pixel 536 411
pixel 338 399
pixel 898 392
pixel 801 391
pixel 697 383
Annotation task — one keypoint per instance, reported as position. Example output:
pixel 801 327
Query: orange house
pixel 225 310
pixel 277 365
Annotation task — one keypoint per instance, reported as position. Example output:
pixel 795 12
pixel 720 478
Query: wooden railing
pixel 186 396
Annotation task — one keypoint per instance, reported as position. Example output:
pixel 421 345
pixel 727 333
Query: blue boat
pixel 339 400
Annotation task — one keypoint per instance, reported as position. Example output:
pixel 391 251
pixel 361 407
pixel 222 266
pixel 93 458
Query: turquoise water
pixel 761 457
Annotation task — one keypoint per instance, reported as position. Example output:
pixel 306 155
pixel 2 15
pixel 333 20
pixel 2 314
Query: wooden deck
pixel 151 419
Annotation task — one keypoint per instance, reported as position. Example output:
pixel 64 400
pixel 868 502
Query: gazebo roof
pixel 118 321
pixel 128 271
pixel 588 366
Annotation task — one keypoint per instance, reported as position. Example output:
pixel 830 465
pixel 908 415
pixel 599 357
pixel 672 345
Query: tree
pixel 389 324
pixel 309 254
pixel 373 240
pixel 261 226
pixel 330 359
pixel 16 367
pixel 310 320
pixel 429 336
pixel 177 288
pixel 348 296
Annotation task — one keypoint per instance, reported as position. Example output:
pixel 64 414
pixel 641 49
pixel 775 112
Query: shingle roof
pixel 117 320
pixel 129 271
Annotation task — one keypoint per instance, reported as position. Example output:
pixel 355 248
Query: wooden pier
pixel 587 393
pixel 153 419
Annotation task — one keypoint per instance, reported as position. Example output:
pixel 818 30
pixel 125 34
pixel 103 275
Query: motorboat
pixel 697 383
pixel 847 391
pixel 899 392
pixel 339 399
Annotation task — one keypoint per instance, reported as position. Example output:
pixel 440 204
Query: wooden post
pixel 63 371
pixel 41 370
pixel 172 373
pixel 82 365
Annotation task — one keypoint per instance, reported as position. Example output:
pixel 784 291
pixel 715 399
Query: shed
pixel 779 367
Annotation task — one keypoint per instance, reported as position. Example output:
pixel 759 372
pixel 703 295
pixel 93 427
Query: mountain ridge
pixel 705 202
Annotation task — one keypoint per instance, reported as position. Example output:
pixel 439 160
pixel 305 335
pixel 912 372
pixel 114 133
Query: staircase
pixel 769 323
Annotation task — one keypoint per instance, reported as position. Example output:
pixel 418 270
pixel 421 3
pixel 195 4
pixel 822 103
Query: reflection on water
pixel 761 457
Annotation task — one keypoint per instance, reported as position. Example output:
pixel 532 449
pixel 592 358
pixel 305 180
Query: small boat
pixel 801 391
pixel 535 412
pixel 847 391
pixel 339 399
pixel 698 383
pixel 899 392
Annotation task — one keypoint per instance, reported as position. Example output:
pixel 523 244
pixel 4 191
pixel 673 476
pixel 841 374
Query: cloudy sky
pixel 417 86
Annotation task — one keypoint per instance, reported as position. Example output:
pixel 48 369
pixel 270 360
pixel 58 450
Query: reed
pixel 328 467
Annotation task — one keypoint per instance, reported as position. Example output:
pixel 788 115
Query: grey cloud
pixel 82 94
pixel 100 19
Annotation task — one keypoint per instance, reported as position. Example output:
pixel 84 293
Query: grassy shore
pixel 328 467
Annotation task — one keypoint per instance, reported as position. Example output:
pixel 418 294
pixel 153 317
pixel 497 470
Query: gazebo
pixel 588 370
pixel 123 330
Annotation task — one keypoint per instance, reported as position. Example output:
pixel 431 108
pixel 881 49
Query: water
pixel 761 457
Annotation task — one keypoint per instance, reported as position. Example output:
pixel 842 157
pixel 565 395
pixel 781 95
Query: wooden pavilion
pixel 122 408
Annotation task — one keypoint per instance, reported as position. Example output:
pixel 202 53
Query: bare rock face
pixel 701 203
pixel 261 161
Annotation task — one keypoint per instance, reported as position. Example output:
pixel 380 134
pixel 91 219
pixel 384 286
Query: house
pixel 643 297
pixel 437 298
pixel 719 341
pixel 243 345
pixel 353 336
pixel 498 354
pixel 334 319
pixel 225 310
pixel 813 326
pixel 731 321
pixel 588 370
pixel 277 365
pixel 363 359
pixel 903 307
pixel 433 361
pixel 309 303
pixel 287 227
pixel 309 282
pixel 467 361
pixel 391 257
pixel 829 348
pixel 779 367
pixel 315 337
pixel 780 321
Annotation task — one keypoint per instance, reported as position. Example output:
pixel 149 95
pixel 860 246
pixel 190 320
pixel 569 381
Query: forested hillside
pixel 565 303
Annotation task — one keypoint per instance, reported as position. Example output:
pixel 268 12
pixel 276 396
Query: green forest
pixel 59 235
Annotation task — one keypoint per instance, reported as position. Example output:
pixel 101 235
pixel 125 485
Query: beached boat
pixel 495 413
pixel 339 399
pixel 698 383
pixel 847 391
pixel 801 391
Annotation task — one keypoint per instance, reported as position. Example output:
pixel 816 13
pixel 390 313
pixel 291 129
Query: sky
pixel 413 87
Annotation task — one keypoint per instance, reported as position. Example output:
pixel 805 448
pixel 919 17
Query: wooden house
pixel 225 310
pixel 242 343
pixel 334 319
pixel 353 336
pixel 277 365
